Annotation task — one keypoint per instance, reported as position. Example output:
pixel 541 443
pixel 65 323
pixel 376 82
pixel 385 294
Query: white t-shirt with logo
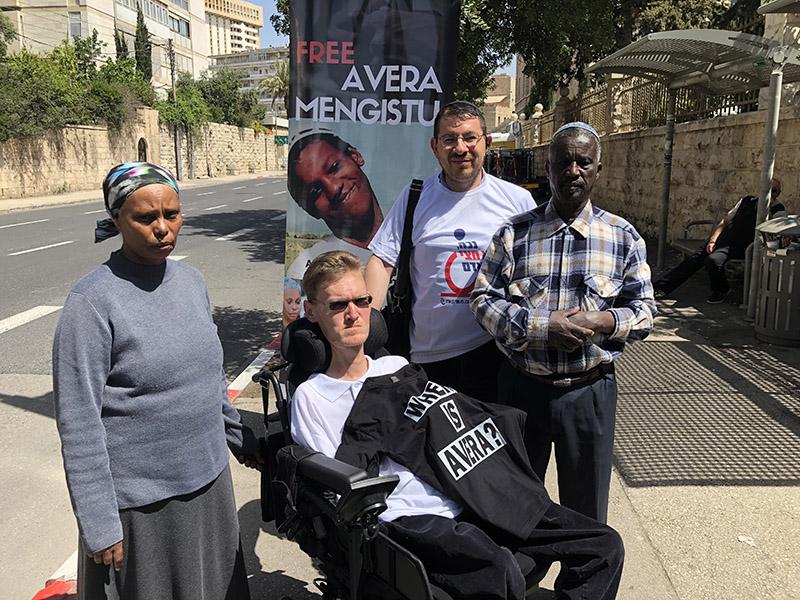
pixel 320 406
pixel 451 233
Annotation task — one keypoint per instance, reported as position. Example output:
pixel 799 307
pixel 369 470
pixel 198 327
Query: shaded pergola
pixel 779 6
pixel 718 63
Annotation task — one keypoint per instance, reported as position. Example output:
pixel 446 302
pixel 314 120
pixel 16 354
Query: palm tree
pixel 277 85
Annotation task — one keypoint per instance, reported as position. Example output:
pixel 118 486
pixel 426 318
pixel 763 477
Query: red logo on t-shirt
pixel 461 269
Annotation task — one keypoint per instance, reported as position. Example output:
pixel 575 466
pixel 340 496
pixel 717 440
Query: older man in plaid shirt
pixel 561 289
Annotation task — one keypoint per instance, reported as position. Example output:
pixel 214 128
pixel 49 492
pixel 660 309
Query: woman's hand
pixel 710 246
pixel 252 461
pixel 111 555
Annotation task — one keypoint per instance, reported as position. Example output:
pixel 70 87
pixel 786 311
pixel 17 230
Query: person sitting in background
pixel 465 555
pixel 729 240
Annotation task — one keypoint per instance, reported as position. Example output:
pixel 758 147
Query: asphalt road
pixel 233 233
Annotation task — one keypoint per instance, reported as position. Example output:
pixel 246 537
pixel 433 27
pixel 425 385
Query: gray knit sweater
pixel 140 394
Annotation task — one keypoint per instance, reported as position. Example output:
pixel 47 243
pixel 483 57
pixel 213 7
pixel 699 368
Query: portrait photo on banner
pixel 367 79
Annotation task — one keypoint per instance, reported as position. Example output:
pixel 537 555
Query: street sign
pixel 281 140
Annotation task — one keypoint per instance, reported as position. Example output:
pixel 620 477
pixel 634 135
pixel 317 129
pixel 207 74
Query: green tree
pixel 557 49
pixel 143 47
pixel 227 103
pixel 277 85
pixel 120 44
pixel 87 52
pixel 280 20
pixel 188 110
pixel 484 46
pixel 687 14
pixel 38 93
pixel 7 34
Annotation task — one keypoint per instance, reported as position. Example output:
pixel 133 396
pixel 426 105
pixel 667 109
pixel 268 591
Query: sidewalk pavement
pixel 9 204
pixel 707 466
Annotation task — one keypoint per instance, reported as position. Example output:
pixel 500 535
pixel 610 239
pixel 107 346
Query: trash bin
pixel 778 308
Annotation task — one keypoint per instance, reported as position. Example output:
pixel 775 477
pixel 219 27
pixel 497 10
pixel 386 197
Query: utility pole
pixel 177 137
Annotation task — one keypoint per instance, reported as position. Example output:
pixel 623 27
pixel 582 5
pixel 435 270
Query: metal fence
pixel 593 108
pixel 640 103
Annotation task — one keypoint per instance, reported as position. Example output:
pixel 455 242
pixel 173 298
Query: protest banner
pixel 367 79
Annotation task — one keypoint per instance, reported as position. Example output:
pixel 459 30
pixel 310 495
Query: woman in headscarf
pixel 143 414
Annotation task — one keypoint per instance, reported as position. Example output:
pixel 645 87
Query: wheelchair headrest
pixel 304 345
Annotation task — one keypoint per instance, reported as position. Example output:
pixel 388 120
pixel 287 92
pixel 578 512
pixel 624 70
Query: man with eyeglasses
pixel 459 210
pixel 356 411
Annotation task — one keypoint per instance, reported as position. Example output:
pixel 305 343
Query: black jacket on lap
pixel 469 450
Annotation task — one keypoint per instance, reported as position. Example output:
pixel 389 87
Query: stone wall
pixel 216 150
pixel 74 158
pixel 715 161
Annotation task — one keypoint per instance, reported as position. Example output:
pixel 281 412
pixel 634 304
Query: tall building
pixel 499 104
pixel 523 86
pixel 233 25
pixel 42 26
pixel 255 66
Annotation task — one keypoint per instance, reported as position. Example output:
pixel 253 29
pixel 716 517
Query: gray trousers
pixel 579 422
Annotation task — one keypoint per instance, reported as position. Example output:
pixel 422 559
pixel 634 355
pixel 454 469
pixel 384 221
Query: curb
pixel 82 196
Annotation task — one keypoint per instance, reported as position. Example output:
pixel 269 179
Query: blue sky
pixel 270 38
pixel 268 35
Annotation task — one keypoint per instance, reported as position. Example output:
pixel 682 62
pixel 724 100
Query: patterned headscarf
pixel 120 183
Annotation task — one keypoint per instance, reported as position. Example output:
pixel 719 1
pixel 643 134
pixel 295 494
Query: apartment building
pixel 523 86
pixel 255 66
pixel 44 24
pixel 233 25
pixel 499 104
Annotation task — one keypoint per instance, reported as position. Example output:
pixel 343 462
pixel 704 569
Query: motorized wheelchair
pixel 329 507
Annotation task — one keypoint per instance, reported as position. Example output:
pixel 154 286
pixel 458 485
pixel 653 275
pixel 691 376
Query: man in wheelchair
pixel 467 499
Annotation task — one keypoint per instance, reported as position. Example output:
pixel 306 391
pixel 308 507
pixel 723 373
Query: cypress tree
pixel 120 44
pixel 143 47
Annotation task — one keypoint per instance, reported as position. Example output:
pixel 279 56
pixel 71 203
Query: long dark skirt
pixel 182 548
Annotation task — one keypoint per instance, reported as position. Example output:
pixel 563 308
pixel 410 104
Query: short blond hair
pixel 327 268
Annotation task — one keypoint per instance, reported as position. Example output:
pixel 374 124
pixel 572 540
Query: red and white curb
pixel 63 584
pixel 245 378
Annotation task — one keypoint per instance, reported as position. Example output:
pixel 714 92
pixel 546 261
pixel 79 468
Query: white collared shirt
pixel 320 406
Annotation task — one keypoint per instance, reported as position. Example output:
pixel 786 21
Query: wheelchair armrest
pixel 329 473
pixel 361 499
pixel 361 506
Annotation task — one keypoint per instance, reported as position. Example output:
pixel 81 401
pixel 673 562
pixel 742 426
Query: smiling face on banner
pixel 327 182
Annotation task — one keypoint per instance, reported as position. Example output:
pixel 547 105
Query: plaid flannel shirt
pixel 537 263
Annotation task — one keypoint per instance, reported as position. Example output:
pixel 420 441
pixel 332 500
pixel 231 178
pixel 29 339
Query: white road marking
pixel 241 187
pixel 278 217
pixel 278 193
pixel 26 317
pixel 23 223
pixel 41 248
pixel 206 193
pixel 245 377
pixel 253 198
pixel 217 206
pixel 94 212
pixel 234 234
pixel 262 183
pixel 177 257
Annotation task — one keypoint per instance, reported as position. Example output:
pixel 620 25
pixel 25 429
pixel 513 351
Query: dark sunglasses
pixel 340 305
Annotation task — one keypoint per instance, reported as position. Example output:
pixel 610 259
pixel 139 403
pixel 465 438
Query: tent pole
pixel 767 170
pixel 662 229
